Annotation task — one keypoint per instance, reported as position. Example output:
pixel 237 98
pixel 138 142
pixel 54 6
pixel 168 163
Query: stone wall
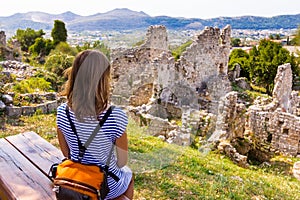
pixel 270 126
pixel 156 38
pixel 8 53
pixel 149 75
pixel 275 126
pixel 199 76
pixel 42 103
pixel 2 38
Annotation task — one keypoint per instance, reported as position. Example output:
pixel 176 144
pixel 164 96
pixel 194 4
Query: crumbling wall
pixel 231 120
pixel 181 83
pixel 270 125
pixel 133 69
pixel 275 126
pixel 200 75
pixel 8 53
pixel 204 65
pixel 149 75
pixel 283 87
pixel 2 38
pixel 156 38
pixel 207 56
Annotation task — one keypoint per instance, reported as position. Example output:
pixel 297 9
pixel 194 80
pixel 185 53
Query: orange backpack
pixel 76 181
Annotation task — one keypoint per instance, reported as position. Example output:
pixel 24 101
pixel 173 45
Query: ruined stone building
pixel 194 90
pixel 7 53
pixel 2 38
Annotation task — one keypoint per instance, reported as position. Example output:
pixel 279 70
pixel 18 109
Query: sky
pixel 203 9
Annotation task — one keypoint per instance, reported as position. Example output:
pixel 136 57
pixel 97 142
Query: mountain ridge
pixel 126 19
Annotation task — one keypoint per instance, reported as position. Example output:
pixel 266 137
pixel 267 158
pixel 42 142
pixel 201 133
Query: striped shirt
pixel 98 150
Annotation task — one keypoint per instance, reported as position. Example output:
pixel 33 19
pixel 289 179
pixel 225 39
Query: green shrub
pixel 64 48
pixel 178 51
pixel 58 63
pixel 31 85
pixel 96 45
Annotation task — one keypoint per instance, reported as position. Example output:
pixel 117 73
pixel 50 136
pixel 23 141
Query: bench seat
pixel 25 160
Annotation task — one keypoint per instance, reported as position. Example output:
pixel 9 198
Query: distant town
pixel 129 38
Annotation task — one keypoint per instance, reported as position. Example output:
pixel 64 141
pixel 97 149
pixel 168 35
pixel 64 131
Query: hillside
pixel 165 171
pixel 125 19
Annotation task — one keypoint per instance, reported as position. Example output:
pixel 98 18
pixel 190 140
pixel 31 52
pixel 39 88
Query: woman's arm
pixel 122 150
pixel 62 143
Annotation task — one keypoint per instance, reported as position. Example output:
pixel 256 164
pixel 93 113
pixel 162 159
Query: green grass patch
pixel 42 124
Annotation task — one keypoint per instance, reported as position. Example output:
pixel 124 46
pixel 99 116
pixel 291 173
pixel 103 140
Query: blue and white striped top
pixel 97 152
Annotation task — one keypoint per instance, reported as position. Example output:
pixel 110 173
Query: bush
pixel 178 51
pixel 64 48
pixel 31 85
pixel 56 64
pixel 96 45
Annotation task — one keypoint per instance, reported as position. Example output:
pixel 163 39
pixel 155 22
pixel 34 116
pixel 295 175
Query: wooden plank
pixel 36 149
pixel 19 178
pixel 4 192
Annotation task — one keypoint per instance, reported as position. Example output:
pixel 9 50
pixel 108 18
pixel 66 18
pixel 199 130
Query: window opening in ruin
pixel 202 89
pixel 285 131
pixel 269 138
pixel 195 65
pixel 221 68
pixel 266 119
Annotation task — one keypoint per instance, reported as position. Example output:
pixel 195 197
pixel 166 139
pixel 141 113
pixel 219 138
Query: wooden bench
pixel 25 160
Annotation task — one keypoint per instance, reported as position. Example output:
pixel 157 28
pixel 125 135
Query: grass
pixel 44 125
pixel 165 171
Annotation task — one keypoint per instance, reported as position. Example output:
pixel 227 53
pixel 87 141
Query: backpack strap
pixel 100 124
pixel 116 178
pixel 82 148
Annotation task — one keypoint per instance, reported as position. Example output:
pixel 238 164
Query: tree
pixel 264 61
pixel 59 32
pixel 41 47
pixel 56 64
pixel 27 37
pixel 96 45
pixel 296 39
pixel 235 42
pixel 241 57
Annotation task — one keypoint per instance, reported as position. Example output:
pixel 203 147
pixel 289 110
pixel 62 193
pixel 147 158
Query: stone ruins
pixel 190 99
pixel 9 53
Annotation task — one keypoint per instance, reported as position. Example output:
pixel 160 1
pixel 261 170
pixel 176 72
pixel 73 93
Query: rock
pixel 2 106
pixel 7 99
pixel 12 111
pixel 296 170
pixel 242 82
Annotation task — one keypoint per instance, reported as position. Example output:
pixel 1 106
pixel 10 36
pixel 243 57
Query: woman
pixel 87 91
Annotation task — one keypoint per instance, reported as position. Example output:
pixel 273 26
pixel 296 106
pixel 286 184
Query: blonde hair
pixel 88 85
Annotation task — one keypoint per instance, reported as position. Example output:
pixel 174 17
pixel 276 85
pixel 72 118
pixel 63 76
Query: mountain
pixel 125 19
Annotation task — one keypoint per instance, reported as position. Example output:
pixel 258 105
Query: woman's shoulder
pixel 62 107
pixel 118 110
pixel 119 114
